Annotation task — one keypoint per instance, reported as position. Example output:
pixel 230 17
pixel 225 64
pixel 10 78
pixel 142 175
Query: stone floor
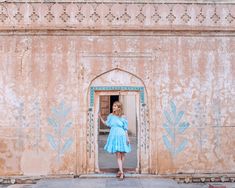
pixel 112 183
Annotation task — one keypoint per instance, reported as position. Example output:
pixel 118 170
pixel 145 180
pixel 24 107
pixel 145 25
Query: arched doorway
pixel 125 85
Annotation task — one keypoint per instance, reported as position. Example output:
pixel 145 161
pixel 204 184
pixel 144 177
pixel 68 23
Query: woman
pixel 118 141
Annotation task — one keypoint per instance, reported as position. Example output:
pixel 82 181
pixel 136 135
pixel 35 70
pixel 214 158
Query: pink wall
pixel 46 69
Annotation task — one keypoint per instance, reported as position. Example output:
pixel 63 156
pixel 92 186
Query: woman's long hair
pixel 119 112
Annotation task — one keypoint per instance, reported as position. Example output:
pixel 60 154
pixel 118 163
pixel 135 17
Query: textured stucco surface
pixel 44 94
pixel 39 73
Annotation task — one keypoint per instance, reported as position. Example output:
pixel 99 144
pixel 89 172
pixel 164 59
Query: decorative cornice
pixel 116 16
pixel 149 33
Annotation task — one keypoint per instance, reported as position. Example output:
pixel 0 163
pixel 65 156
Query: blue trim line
pixel 115 88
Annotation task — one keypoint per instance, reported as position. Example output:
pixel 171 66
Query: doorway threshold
pixel 114 170
pixel 113 175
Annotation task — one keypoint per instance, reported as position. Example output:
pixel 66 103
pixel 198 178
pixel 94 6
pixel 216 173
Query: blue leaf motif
pixel 173 108
pixel 174 127
pixel 66 127
pixel 63 111
pixel 179 116
pixel 167 115
pixel 167 143
pixel 57 120
pixel 169 131
pixel 53 122
pixel 61 106
pixel 181 146
pixel 55 112
pixel 52 141
pixel 66 145
pixel 183 126
pixel 66 112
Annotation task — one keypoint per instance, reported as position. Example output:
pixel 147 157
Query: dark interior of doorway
pixel 113 98
pixel 106 104
pixel 107 162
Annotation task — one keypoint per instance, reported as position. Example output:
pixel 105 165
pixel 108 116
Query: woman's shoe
pixel 122 176
pixel 118 174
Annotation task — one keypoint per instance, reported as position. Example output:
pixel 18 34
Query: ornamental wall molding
pixel 116 15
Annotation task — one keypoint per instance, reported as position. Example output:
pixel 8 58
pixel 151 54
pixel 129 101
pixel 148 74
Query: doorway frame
pixel 143 126
pixel 96 109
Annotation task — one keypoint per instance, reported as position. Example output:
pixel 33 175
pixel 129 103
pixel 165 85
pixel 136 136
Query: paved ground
pixel 112 183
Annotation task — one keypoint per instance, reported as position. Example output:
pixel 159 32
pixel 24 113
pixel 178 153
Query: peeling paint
pixel 196 70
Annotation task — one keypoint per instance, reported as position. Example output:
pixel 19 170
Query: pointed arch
pixel 121 70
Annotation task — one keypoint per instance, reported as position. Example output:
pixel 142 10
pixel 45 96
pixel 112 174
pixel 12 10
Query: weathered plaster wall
pixel 45 77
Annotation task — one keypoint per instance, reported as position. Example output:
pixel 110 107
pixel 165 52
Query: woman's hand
pixel 99 115
pixel 127 140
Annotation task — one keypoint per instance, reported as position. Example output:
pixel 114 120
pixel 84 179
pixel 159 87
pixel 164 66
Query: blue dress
pixel 117 140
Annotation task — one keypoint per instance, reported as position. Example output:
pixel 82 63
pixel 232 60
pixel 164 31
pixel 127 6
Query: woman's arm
pixel 102 119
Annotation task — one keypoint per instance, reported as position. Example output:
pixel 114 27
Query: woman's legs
pixel 123 157
pixel 119 161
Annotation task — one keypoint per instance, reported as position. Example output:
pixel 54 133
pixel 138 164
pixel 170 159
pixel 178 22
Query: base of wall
pixel 30 179
pixel 180 178
pixel 202 178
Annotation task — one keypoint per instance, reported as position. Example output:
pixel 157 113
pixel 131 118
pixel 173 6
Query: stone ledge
pixel 29 179
pixel 148 33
